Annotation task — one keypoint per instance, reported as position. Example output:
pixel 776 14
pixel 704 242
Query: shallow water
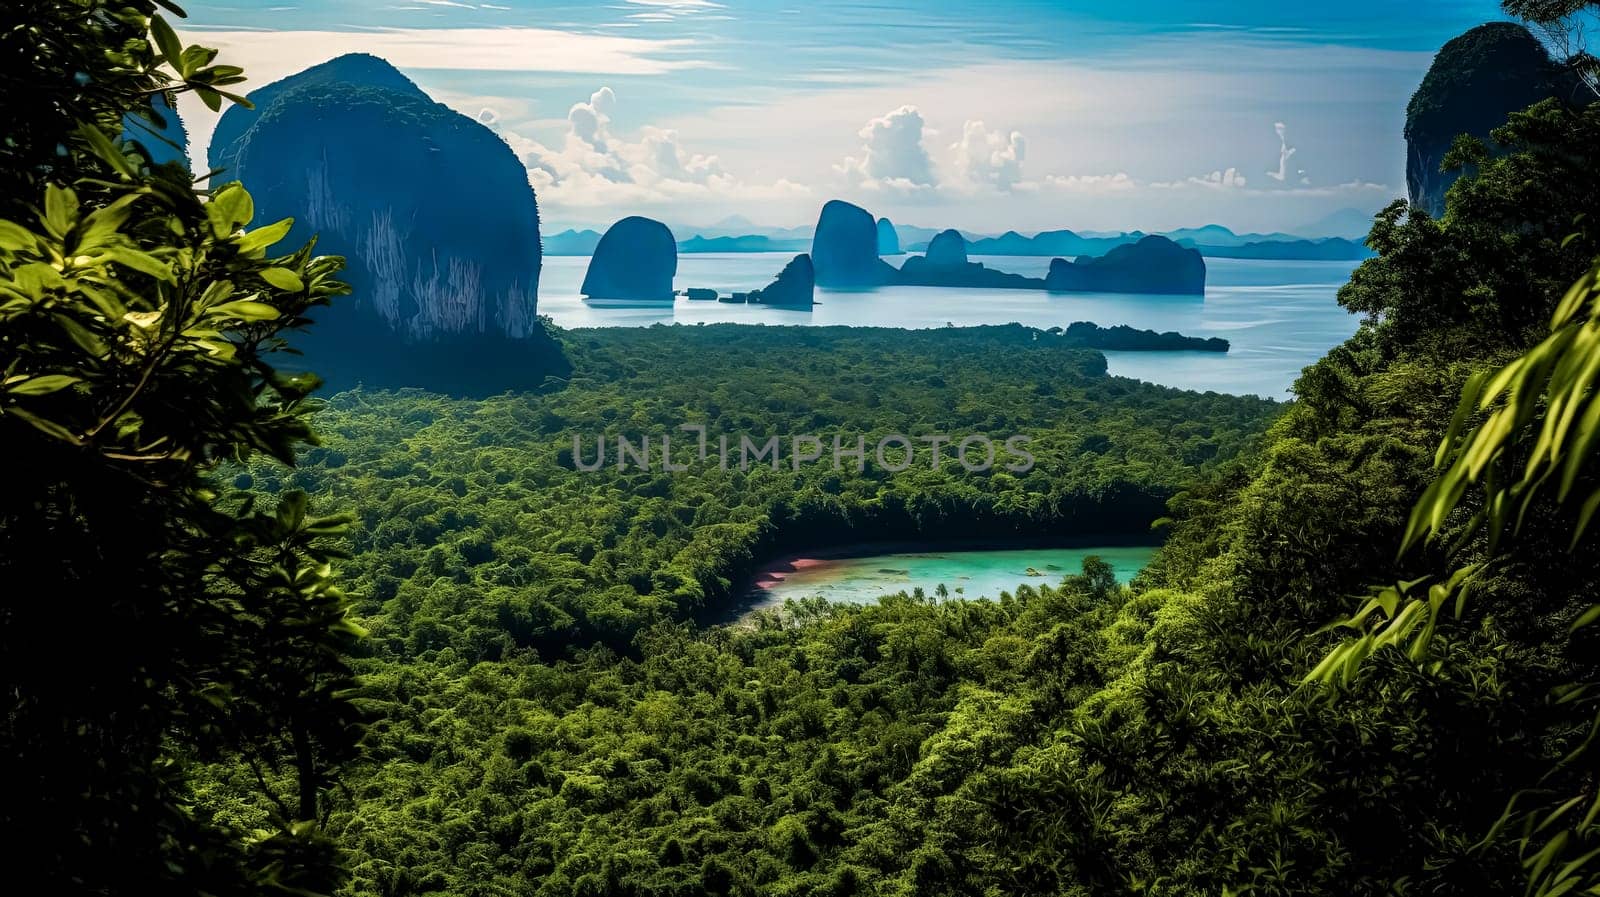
pixel 967 573
pixel 1279 316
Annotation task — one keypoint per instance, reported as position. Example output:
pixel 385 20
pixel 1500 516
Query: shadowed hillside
pixel 432 211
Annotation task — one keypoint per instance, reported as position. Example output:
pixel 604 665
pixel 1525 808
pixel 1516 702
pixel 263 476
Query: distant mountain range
pixel 738 234
pixel 1213 240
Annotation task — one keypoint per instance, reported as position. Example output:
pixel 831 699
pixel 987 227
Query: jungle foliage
pixel 554 722
pixel 549 713
pixel 139 316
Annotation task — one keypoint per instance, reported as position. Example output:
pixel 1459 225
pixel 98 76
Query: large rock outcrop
pixel 1476 81
pixel 888 238
pixel 948 249
pixel 844 249
pixel 794 287
pixel 1152 265
pixel 634 262
pixel 432 211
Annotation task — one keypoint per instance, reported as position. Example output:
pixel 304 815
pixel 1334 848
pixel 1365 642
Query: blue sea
pixel 1279 316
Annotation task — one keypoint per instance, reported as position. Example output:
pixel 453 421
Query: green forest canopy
pixel 547 723
pixel 544 716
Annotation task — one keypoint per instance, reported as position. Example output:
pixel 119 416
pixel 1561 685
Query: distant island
pixel 844 249
pixel 748 243
pixel 1333 249
pixel 1212 240
pixel 1152 265
pixel 946 265
pixel 1123 338
pixel 633 264
pixel 794 287
pixel 1048 243
pixel 888 238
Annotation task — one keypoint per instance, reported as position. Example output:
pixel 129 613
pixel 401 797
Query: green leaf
pixel 246 309
pixel 232 207
pixel 283 279
pixel 168 43
pixel 60 210
pixel 196 57
pixel 15 238
pixel 142 262
pixel 100 224
pixel 44 385
pixel 262 237
pixel 101 146
pixel 1587 617
pixel 212 98
pixel 236 99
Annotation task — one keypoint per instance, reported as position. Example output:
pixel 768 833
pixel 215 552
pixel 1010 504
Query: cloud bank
pixel 892 156
pixel 593 167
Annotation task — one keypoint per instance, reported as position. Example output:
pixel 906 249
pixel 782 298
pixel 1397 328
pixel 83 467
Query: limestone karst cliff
pixel 844 249
pixel 888 238
pixel 1475 82
pixel 947 249
pixel 794 287
pixel 634 262
pixel 432 211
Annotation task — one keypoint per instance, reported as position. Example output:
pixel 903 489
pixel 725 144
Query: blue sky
pixel 1010 114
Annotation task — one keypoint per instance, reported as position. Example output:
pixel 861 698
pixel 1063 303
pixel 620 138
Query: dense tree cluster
pixel 479 532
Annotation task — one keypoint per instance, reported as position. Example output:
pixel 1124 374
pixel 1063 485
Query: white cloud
pixel 1224 179
pixel 893 156
pixel 990 157
pixel 1092 183
pixel 1184 108
pixel 589 120
pixel 594 167
pixel 1285 153
pixel 268 56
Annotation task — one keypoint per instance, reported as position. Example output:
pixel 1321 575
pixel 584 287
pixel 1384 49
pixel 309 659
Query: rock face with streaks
pixel 634 262
pixel 432 212
pixel 1152 265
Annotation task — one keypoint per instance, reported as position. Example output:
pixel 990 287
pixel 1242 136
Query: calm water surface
pixel 1279 316
pixel 981 573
